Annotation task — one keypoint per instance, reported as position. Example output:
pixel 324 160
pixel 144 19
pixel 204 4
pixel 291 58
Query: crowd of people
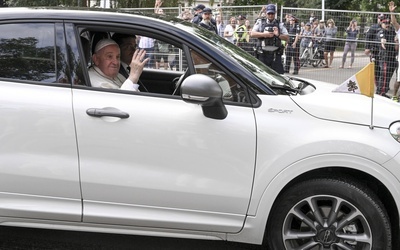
pixel 267 39
pixel 382 47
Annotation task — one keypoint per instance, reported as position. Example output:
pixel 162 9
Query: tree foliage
pixel 85 3
pixel 362 5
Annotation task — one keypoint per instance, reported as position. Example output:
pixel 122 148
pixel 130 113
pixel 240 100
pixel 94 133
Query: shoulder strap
pixel 262 26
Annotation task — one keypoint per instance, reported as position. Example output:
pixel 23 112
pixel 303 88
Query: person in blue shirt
pixel 351 43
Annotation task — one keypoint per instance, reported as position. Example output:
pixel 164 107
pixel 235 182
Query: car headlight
pixel 395 130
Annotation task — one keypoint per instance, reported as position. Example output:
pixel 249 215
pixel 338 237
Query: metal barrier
pixel 341 18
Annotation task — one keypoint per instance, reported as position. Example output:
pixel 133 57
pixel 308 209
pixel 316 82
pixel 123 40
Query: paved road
pixel 38 239
pixel 335 74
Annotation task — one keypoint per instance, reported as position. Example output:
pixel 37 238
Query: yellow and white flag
pixel 363 82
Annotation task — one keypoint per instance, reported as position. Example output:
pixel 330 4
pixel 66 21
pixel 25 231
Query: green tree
pixel 363 5
pixel 30 3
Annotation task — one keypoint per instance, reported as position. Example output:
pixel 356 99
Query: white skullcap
pixel 103 43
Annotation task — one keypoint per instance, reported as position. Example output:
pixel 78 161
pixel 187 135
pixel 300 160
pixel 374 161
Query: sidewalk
pixel 358 53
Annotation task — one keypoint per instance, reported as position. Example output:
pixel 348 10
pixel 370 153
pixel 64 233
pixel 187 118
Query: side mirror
pixel 203 90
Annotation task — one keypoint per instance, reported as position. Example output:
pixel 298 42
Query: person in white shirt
pixel 148 43
pixel 229 29
pixel 220 25
pixel 105 72
pixel 396 26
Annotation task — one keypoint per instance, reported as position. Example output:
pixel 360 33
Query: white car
pixel 220 148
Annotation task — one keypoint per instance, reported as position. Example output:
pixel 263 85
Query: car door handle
pixel 107 112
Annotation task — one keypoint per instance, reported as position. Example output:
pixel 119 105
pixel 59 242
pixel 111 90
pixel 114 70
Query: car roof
pixel 148 22
pixel 84 14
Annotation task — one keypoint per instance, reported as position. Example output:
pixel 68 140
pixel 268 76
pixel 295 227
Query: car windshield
pixel 265 74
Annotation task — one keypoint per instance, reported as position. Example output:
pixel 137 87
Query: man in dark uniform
pixel 387 56
pixel 127 45
pixel 206 20
pixel 270 33
pixel 372 47
pixel 293 48
pixel 197 15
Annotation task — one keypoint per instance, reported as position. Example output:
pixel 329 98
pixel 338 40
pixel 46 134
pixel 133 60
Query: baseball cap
pixel 271 8
pixel 207 10
pixel 199 7
pixel 241 17
pixel 308 24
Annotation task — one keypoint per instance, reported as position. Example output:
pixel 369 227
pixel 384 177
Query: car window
pixel 167 67
pixel 168 57
pixel 232 91
pixel 28 51
pixel 160 75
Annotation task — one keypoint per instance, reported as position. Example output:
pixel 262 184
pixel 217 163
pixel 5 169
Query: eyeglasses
pixel 270 14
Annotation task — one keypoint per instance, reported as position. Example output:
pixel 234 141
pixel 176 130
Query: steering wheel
pixel 178 83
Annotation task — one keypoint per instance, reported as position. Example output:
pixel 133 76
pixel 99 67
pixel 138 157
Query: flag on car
pixel 361 83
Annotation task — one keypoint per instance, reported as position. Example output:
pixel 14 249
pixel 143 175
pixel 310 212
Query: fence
pixel 341 18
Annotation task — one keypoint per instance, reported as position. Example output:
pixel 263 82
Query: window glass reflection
pixel 27 52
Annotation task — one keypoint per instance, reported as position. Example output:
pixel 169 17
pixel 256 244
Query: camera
pixel 269 29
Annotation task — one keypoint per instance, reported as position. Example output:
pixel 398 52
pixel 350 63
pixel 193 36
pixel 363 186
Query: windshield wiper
pixel 288 88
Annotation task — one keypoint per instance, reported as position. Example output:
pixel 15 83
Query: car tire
pixel 328 213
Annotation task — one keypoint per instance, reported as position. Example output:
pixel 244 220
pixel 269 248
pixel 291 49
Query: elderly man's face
pixel 107 59
pixel 128 47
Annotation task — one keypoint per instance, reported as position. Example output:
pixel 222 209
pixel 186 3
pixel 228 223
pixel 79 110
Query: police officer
pixel 270 33
pixel 197 15
pixel 372 46
pixel 206 20
pixel 293 47
pixel 240 33
pixel 387 56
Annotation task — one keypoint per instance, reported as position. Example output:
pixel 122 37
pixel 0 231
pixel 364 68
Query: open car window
pixel 168 65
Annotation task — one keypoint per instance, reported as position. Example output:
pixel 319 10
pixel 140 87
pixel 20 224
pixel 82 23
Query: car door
pixel 39 175
pixel 162 163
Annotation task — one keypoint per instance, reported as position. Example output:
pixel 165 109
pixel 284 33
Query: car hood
pixel 345 107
